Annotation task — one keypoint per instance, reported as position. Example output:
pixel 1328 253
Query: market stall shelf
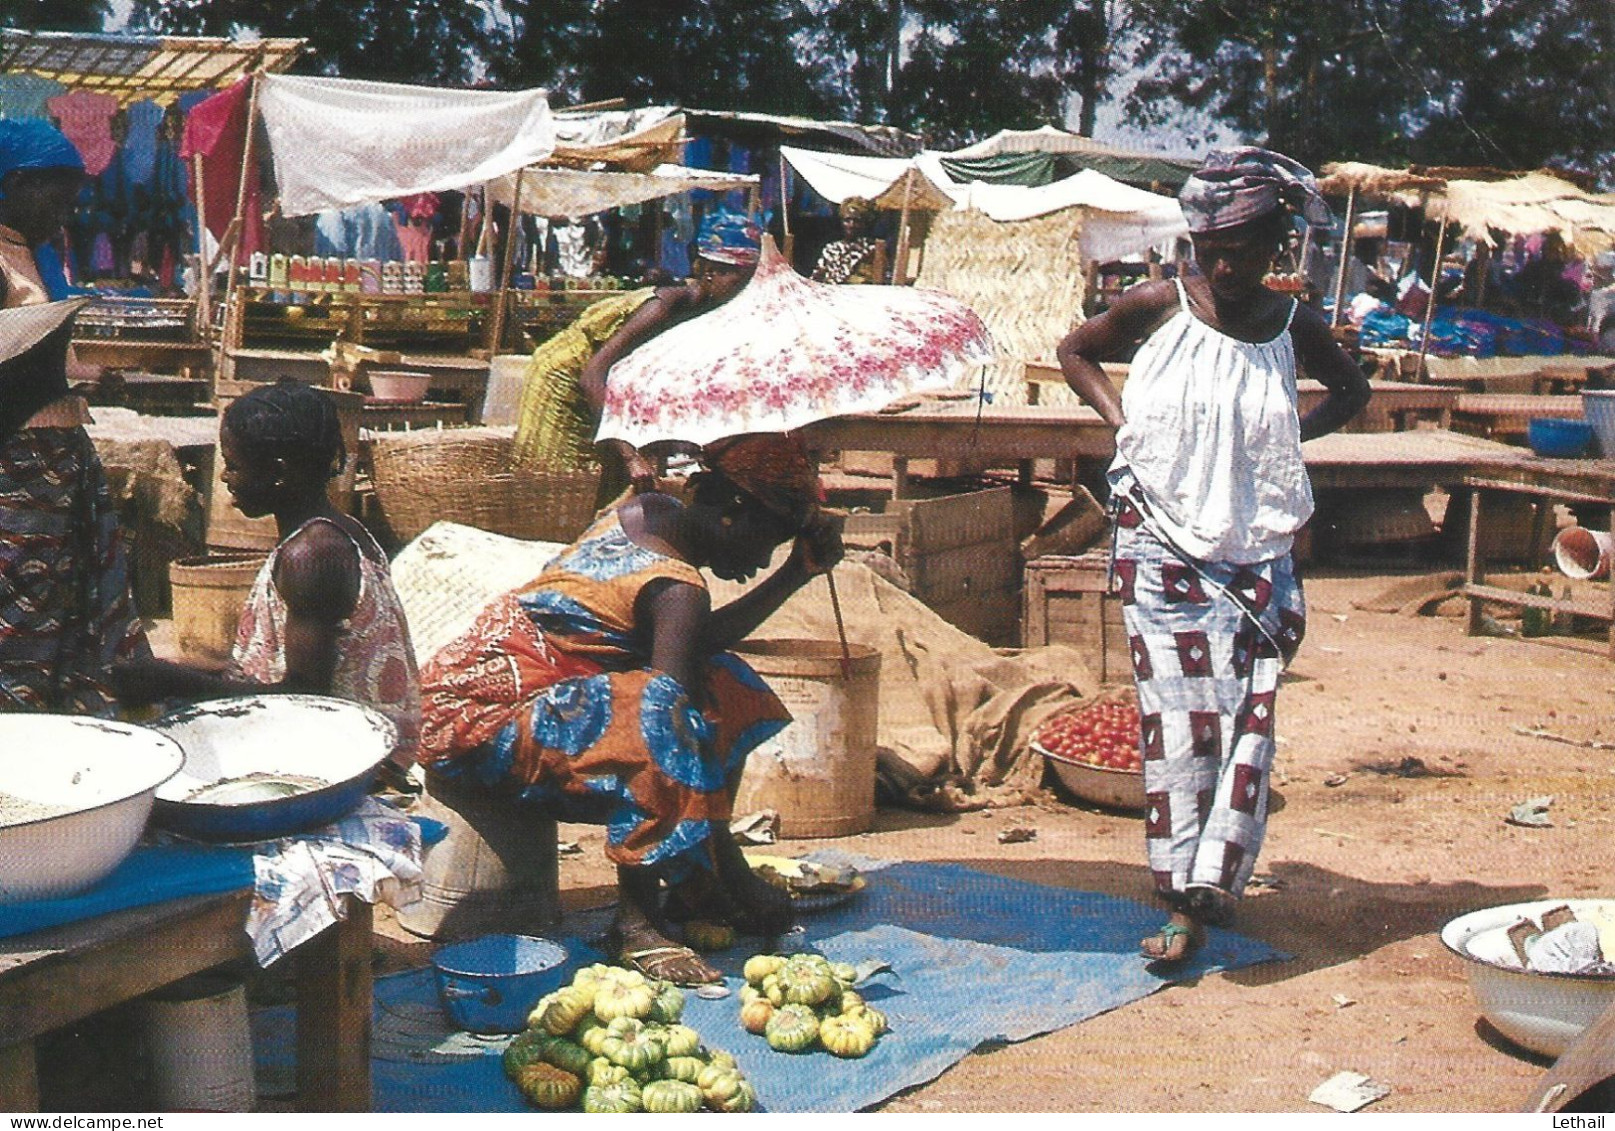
pixel 1582 483
pixel 55 977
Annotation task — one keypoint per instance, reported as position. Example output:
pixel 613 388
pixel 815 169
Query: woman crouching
pixel 601 692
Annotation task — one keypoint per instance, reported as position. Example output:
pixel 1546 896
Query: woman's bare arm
pixel 1110 335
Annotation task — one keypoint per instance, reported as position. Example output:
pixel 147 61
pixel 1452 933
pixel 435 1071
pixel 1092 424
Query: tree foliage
pixel 437 41
pixel 1511 83
pixel 54 15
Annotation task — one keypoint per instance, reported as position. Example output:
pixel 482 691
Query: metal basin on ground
pixel 265 766
pixel 1540 1011
pixel 74 797
pixel 490 984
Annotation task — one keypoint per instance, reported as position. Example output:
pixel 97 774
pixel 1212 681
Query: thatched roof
pixel 1483 200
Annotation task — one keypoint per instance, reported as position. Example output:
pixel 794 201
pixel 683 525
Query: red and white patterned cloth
pixel 376 663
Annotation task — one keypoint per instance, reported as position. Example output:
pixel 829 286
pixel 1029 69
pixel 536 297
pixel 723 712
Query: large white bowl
pixel 105 773
pixel 1539 1011
pixel 265 766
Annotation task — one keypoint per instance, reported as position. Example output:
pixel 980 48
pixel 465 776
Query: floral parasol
pixel 787 351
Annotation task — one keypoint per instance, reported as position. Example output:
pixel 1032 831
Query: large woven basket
pixel 464 475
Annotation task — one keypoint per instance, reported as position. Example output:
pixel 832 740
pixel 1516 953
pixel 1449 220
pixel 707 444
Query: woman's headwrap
pixel 27 143
pixel 729 238
pixel 773 468
pixel 857 208
pixel 1236 186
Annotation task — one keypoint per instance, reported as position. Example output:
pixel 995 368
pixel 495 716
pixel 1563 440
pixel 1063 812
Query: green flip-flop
pixel 1194 935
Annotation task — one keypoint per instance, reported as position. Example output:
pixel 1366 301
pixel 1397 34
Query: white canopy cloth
pixel 786 352
pixel 638 139
pixel 579 192
pixel 339 142
pixel 1121 220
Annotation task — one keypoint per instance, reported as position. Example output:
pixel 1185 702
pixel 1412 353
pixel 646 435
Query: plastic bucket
pixel 200 1046
pixel 819 772
pixel 489 985
pixel 1583 554
pixel 1598 409
pixel 209 594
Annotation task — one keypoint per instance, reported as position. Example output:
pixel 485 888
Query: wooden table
pixel 1588 482
pixel 1017 434
pixel 55 977
pixel 1507 414
pixel 997 436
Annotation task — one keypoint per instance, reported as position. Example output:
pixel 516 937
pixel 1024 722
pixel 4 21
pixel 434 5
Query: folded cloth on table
pixel 374 853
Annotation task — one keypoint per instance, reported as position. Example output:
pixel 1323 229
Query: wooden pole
pixel 785 210
pixel 248 156
pixel 1430 304
pixel 900 264
pixel 1345 258
pixel 496 334
pixel 204 269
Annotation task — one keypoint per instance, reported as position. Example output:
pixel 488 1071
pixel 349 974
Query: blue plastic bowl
pixel 1555 438
pixel 490 984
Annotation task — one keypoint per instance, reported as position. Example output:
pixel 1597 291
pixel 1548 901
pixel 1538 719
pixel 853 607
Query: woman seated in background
pixel 322 617
pixel 66 614
pixel 858 256
pixel 602 691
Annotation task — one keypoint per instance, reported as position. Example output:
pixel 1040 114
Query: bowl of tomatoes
pixel 1094 750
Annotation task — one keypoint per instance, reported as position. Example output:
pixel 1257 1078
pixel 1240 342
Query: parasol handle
pixel 841 627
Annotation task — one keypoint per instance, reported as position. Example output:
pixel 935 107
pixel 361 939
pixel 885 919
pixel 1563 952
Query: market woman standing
pixel 65 608
pixel 1209 490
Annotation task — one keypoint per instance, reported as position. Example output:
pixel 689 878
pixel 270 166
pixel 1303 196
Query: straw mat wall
pixel 1025 278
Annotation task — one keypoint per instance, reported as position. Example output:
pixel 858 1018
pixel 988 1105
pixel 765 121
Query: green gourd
pixel 613 1099
pixel 755 1015
pixel 629 1043
pixel 681 1040
pixel 602 1071
pixel 807 983
pixel 614 999
pixel 669 1004
pixel 548 1087
pixel 671 1097
pixel 686 1068
pixel 522 1051
pixel 566 1055
pixel 846 1036
pixel 709 937
pixel 589 1033
pixel 760 966
pixel 793 1028
pixel 559 1013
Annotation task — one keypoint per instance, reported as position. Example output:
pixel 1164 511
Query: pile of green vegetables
pixel 611 1042
pixel 804 1001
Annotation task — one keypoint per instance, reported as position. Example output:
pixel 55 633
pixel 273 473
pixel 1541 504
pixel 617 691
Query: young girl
pixel 323 617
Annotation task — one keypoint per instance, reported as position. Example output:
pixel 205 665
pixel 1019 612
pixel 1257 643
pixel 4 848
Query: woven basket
pixel 464 475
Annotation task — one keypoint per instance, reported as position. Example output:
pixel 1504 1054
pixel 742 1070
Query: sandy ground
pixel 1363 875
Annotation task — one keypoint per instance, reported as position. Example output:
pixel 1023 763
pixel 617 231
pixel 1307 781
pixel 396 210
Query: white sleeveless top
pixel 1213 438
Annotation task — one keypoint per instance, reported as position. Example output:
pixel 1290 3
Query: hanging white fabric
pixel 580 192
pixel 339 142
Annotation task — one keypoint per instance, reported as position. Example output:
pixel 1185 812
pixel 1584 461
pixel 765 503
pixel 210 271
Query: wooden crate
pixel 1067 601
pixel 960 554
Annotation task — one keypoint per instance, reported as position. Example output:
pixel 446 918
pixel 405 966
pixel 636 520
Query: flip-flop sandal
pixel 1194 937
pixel 652 961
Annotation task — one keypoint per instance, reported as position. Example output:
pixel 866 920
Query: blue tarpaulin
pixel 974 958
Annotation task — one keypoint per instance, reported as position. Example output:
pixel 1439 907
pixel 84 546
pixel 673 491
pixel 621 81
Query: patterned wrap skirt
pixel 65 609
pixel 1208 642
